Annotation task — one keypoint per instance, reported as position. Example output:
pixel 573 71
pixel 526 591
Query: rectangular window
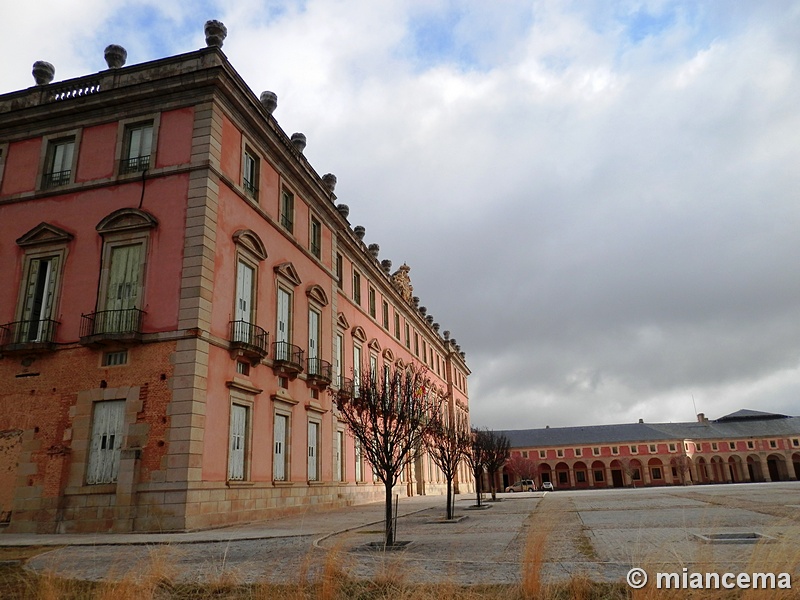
pixel 359 461
pixel 578 452
pixel 542 453
pixel 287 211
pixel 637 474
pixel 116 358
pixel 615 450
pixel 655 473
pixel 750 445
pixel 138 148
pixel 236 450
pixel 599 476
pixel 123 290
pixel 416 344
pixel 672 447
pixel 356 369
pixel 596 451
pixel 280 455
pixel 250 173
pixel 356 287
pixel 580 476
pixel 773 444
pixel 106 442
pixel 242 368
pixel 245 278
pixel 339 458
pixel 313 341
pixel 795 442
pixel 313 451
pixel 524 454
pixel 371 302
pixel 652 447
pixel 732 445
pixel 283 333
pixel 37 306
pixel 338 353
pixel 714 446
pixel 315 235
pixel 339 270
pixel 562 478
pixel 373 365
pixel 385 309
pixel 408 335
pixel 634 449
pixel 58 169
pixel 560 453
pixel 396 325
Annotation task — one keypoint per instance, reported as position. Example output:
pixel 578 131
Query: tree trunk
pixel 478 487
pixel 389 539
pixel 493 483
pixel 449 496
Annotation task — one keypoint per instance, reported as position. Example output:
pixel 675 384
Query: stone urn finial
pixel 359 231
pixel 269 100
pixel 216 32
pixel 329 179
pixel 343 209
pixel 115 56
pixel 43 72
pixel 423 310
pixel 386 264
pixel 299 141
pixel 375 250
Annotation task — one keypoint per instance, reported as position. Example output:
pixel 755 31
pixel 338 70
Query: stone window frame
pixel 252 190
pixel 315 235
pixel 124 126
pixel 315 418
pixel 283 409
pixel 48 142
pixel 578 452
pixel 542 454
pixel 247 401
pixel 287 209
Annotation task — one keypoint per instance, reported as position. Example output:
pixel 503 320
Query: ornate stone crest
pixel 402 282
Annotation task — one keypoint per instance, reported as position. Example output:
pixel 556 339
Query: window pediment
pixel 317 294
pixel 288 272
pixel 388 355
pixel 44 233
pixel 251 241
pixel 126 219
pixel 359 334
pixel 341 321
pixel 374 345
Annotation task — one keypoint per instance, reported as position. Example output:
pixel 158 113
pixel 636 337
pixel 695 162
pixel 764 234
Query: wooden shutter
pixel 104 450
pixel 237 442
pixel 244 292
pixel 123 281
pixel 279 456
pixel 313 333
pixel 284 315
pixel 339 454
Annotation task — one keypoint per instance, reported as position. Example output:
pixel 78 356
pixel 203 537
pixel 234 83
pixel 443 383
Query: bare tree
pixel 448 440
pixel 498 449
pixel 632 468
pixel 521 467
pixel 476 458
pixel 389 415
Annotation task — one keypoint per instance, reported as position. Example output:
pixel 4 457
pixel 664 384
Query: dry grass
pixel 157 579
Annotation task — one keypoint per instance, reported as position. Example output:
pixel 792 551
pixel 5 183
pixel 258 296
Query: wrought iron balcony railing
pixel 56 179
pixel 28 335
pixel 250 188
pixel 136 164
pixel 345 385
pixel 319 372
pixel 287 357
pixel 250 339
pixel 119 324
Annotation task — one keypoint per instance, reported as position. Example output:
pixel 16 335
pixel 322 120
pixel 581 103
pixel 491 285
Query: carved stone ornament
pixel 43 72
pixel 216 32
pixel 115 56
pixel 402 283
pixel 269 100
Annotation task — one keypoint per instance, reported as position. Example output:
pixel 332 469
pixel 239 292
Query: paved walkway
pixel 601 533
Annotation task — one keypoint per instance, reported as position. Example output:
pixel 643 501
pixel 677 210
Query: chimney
pixel 701 418
pixel 641 420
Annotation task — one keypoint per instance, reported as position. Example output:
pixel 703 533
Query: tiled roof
pixel 741 424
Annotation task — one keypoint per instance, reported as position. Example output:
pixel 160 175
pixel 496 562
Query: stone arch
pixel 562 475
pixel 735 470
pixel 754 468
pixel 581 472
pixel 776 464
pixel 545 473
pixel 796 464
pixel 656 469
pixel 126 219
pixel 599 474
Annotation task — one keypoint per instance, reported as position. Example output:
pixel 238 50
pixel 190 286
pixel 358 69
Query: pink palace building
pixel 183 297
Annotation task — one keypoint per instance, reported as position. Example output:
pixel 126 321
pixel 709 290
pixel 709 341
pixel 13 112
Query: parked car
pixel 523 485
pixel 548 486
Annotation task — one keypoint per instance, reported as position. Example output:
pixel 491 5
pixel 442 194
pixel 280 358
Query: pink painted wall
pixel 175 137
pixel 96 159
pixel 22 164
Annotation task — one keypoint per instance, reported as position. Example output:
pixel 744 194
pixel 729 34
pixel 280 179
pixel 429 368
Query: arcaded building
pixel 183 301
pixel 744 446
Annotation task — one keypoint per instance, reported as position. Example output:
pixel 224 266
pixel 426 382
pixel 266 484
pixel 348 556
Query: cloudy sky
pixel 601 200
